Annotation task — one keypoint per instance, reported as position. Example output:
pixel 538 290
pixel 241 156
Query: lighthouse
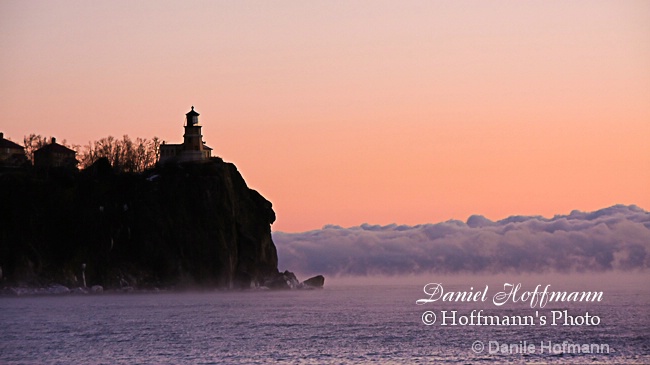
pixel 193 148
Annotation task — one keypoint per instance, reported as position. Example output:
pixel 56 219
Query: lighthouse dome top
pixel 192 117
pixel 192 112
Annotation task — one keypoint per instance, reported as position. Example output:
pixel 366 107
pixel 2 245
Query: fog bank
pixel 614 238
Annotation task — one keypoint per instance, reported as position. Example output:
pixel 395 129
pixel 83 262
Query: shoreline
pixel 56 289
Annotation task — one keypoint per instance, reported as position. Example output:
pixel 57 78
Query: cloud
pixel 614 238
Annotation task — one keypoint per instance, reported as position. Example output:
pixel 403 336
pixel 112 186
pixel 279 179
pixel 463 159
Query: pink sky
pixel 356 111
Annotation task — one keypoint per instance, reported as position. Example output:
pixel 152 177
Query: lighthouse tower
pixel 192 139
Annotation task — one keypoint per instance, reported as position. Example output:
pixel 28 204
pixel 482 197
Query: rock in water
pixel 285 280
pixel 291 279
pixel 57 289
pixel 316 282
pixel 79 290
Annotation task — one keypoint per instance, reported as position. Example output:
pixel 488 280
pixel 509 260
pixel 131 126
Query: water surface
pixel 343 323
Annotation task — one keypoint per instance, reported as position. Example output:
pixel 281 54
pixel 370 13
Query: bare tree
pixel 33 142
pixel 125 155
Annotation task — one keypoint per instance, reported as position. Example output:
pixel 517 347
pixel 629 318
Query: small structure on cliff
pixel 55 155
pixel 192 149
pixel 11 154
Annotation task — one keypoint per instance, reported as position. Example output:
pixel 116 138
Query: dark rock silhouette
pixel 178 225
pixel 315 282
pixel 285 280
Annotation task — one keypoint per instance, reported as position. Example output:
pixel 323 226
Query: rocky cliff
pixel 178 225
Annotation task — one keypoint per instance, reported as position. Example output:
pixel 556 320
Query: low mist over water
pixel 349 321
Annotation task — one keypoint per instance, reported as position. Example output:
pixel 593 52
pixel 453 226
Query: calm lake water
pixel 346 322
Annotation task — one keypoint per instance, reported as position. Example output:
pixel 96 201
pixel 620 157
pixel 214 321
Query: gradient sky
pixel 344 112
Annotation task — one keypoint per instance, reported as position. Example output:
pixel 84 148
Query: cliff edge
pixel 178 225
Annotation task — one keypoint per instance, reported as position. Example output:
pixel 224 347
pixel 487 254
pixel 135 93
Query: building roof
pixel 205 147
pixel 192 112
pixel 5 143
pixel 54 148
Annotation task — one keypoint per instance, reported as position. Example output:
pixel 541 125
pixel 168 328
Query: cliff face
pixel 191 224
